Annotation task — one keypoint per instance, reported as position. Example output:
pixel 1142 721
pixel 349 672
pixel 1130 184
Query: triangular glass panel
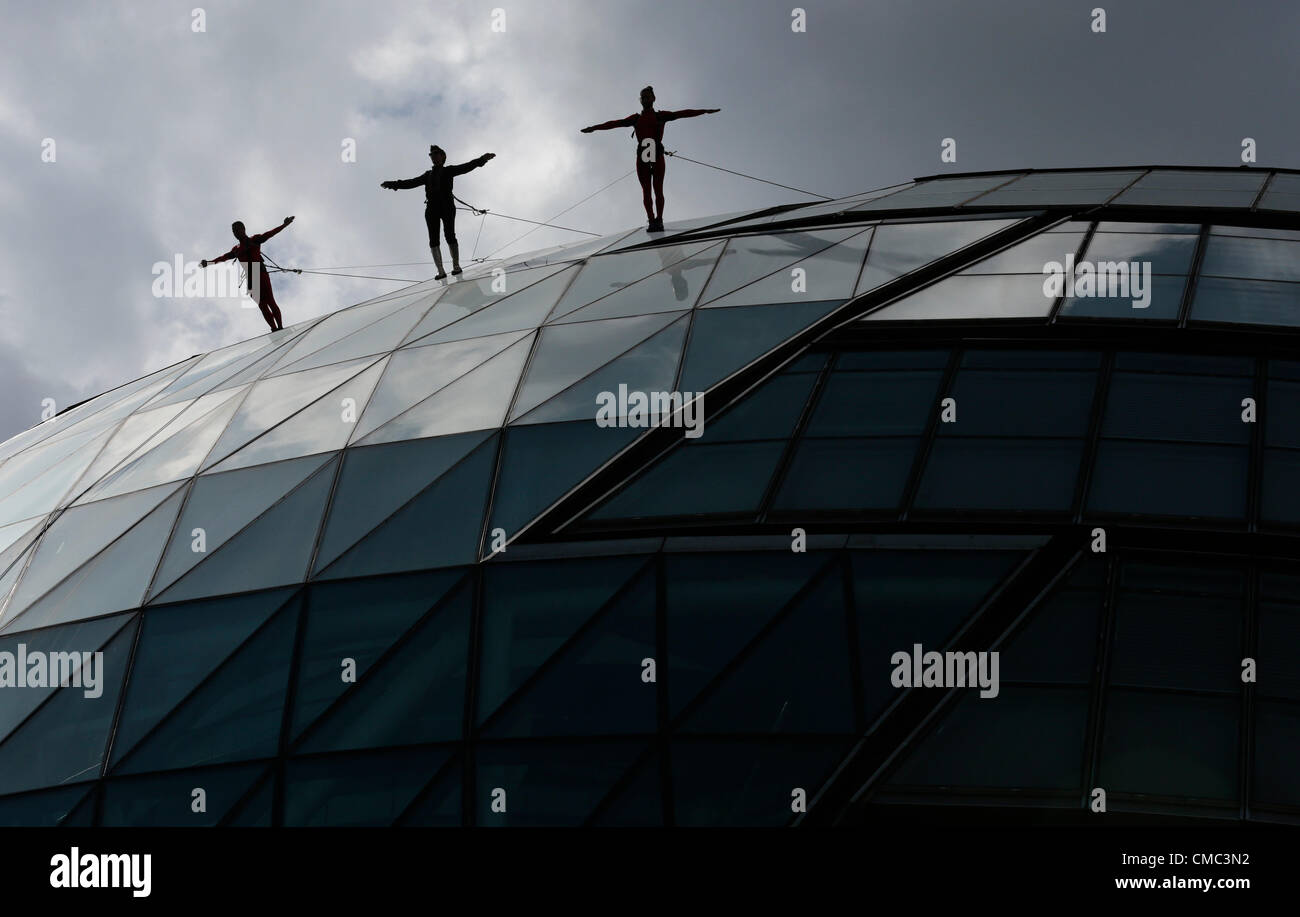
pixel 357 791
pixel 272 400
pixel 438 806
pixel 797 680
pixel 523 310
pixel 273 551
pixel 531 609
pixel 168 799
pixel 132 434
pixel 466 297
pixel 29 759
pixel 125 398
pixel 375 338
pixel 650 366
pixel 406 541
pixel 596 685
pixel 51 474
pixel 261 365
pixel 541 462
pixel 900 248
pixel 218 366
pixel 673 289
pixel 12 563
pixel 234 715
pixel 747 258
pixel 637 804
pixel 335 632
pixel 747 783
pixel 725 340
pixel 255 810
pixel 972 297
pixel 323 426
pixel 113 581
pixel 10 534
pixel 414 696
pixel 415 373
pixel 376 481
pixel 717 603
pixel 551 784
pixel 179 647
pixel 335 327
pixel 78 534
pixel 45 809
pixel 476 401
pixel 221 505
pixel 84 636
pixel 829 274
pixel 607 274
pixel 908 597
pixel 566 353
pixel 176 457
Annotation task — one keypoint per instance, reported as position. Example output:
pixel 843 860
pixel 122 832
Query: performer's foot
pixel 442 275
pixel 456 269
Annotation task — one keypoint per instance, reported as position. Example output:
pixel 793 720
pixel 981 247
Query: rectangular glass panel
pixel 991 296
pixel 1252 302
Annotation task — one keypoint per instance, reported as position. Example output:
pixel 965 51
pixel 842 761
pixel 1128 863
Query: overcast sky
pixel 164 135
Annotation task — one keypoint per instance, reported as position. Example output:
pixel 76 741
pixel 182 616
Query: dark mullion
pixel 1255 469
pixel 998 187
pixel 796 437
pixel 1110 200
pixel 1092 443
pixel 1193 275
pixel 97 813
pixel 854 640
pixel 469 729
pixel 1250 641
pixel 1078 256
pixel 925 442
pixel 1101 674
pixel 1263 189
pixel 667 800
pixel 286 715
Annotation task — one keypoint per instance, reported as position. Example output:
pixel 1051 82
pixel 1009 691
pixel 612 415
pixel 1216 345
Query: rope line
pixel 561 213
pixel 743 175
pixel 482 212
pixel 478 235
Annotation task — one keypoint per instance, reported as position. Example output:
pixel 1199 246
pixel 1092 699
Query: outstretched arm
pixel 472 164
pixel 610 125
pixel 226 257
pixel 270 232
pixel 688 113
pixel 405 184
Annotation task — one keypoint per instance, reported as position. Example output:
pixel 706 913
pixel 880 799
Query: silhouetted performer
pixel 248 251
pixel 439 207
pixel 649 124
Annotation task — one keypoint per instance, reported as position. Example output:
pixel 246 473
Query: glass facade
pixel 428 560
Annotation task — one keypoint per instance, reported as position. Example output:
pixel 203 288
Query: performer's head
pixel 648 97
pixel 237 228
pixel 437 155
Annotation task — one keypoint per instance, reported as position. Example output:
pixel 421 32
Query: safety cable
pixel 481 212
pixel 743 175
pixel 560 214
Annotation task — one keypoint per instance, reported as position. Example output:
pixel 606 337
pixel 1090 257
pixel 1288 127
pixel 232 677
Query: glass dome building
pixel 430 560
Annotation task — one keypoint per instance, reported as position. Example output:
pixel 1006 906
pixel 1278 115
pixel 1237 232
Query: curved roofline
pixel 1126 168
